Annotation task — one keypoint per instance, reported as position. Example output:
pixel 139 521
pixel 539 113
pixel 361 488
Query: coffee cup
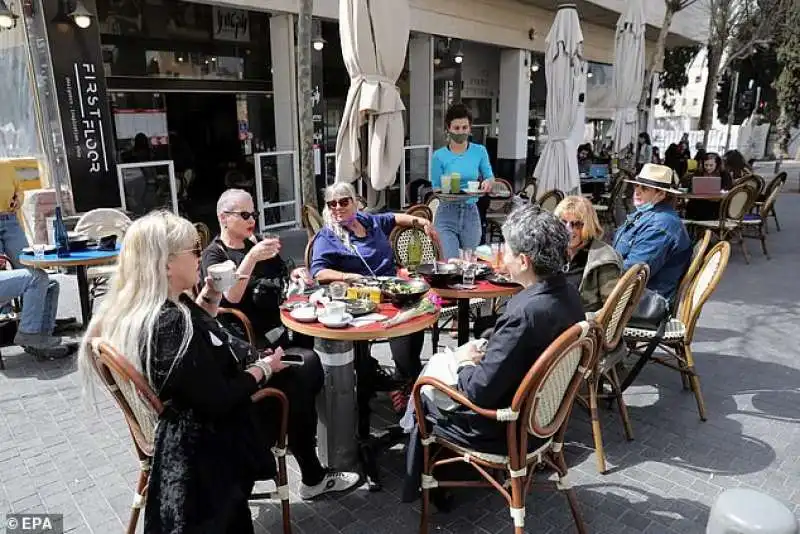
pixel 473 187
pixel 223 275
pixel 334 311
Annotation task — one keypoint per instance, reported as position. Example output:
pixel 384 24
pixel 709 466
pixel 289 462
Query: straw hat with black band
pixel 658 177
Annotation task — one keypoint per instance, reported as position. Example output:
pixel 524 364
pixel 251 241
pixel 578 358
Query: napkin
pixel 318 297
pixel 296 287
pixel 365 320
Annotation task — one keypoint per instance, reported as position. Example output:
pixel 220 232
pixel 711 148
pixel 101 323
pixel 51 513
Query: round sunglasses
pixel 245 215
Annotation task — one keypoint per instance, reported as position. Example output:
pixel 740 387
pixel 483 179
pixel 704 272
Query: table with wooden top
pixel 482 290
pixel 81 261
pixel 337 408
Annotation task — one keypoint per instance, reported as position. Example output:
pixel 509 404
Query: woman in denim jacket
pixel 654 233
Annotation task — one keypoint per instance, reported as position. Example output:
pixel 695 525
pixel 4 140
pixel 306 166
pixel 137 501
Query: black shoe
pixel 369 465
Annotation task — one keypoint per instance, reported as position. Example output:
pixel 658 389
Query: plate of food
pixel 501 280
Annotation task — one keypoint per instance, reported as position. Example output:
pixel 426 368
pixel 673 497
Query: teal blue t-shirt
pixel 472 164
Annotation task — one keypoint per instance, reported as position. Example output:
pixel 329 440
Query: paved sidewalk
pixel 57 454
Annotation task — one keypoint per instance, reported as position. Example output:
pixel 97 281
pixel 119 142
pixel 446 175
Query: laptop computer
pixel 706 185
pixel 598 171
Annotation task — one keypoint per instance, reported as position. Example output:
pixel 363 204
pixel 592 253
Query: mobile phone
pixel 294 360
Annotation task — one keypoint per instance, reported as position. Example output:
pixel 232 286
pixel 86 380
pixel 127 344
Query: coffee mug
pixel 473 187
pixel 223 275
pixel 335 311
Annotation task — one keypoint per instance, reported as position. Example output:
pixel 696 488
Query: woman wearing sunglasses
pixel 354 245
pixel 260 269
pixel 211 442
pixel 593 266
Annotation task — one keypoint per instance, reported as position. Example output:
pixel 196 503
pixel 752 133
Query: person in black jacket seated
pixel 535 255
pixel 211 442
pixel 262 273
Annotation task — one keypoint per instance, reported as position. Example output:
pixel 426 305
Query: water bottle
pixel 60 235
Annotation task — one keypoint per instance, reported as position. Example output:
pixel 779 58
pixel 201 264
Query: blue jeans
pixel 12 238
pixel 39 298
pixel 459 227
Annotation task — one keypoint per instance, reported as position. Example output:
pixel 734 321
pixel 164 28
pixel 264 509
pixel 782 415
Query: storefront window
pixel 182 40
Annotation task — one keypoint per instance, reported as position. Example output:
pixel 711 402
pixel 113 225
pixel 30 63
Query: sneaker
pixel 52 353
pixel 36 341
pixel 333 482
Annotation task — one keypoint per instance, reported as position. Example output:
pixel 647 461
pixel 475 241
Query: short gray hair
pixel 227 200
pixel 541 236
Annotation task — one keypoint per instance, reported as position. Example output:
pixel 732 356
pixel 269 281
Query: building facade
pixel 167 102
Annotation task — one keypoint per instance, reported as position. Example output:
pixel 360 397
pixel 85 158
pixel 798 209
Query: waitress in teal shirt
pixel 458 221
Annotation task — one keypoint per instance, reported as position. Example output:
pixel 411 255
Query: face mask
pixel 647 206
pixel 348 221
pixel 458 137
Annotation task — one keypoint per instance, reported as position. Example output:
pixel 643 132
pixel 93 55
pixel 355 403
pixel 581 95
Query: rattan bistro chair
pixel 500 204
pixel 98 223
pixel 311 220
pixel 550 200
pixel 677 339
pixel 540 408
pixel 142 407
pixel 754 225
pixel 420 210
pixel 735 205
pixel 753 180
pixel 776 183
pixel 611 320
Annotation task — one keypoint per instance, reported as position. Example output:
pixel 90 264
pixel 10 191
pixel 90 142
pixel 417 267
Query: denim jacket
pixel 658 238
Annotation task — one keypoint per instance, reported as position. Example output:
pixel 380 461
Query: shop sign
pixel 79 81
pixel 231 25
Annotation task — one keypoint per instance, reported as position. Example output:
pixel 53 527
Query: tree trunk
pixel 710 93
pixel 784 135
pixel 656 64
pixel 304 106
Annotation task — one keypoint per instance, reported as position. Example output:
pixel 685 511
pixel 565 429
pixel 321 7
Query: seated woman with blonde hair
pixel 211 442
pixel 594 267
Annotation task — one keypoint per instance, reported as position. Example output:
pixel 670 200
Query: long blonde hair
pixel 128 315
pixel 338 190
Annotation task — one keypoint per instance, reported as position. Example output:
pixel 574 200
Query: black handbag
pixel 652 311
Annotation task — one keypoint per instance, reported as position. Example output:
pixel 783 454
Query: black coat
pixel 534 318
pixel 209 448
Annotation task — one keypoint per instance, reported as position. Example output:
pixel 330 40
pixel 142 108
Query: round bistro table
pixel 80 260
pixel 482 290
pixel 337 410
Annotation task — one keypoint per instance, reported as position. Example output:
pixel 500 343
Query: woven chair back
pixel 620 305
pixel 551 199
pixel 132 393
pixel 401 239
pixel 549 388
pixel 704 284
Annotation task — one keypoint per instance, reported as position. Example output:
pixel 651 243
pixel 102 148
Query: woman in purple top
pixel 355 245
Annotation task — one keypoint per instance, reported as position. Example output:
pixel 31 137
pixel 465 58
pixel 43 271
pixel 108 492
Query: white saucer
pixel 305 314
pixel 342 323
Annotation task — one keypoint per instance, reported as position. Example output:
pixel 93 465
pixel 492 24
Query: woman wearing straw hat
pixel 654 233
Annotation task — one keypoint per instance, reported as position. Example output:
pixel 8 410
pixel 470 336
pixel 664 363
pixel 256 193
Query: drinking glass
pixel 38 251
pixel 467 255
pixel 497 255
pixel 469 274
pixel 338 290
pixel 445 183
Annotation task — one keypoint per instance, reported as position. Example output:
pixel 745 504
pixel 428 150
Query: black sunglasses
pixel 245 215
pixel 343 202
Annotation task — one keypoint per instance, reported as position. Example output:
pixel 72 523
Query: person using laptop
pixel 711 179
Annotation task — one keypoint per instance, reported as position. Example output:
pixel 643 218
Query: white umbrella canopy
pixel 374 35
pixel 564 70
pixel 628 74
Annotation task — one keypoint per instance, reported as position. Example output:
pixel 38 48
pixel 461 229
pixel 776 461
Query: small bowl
pixel 441 274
